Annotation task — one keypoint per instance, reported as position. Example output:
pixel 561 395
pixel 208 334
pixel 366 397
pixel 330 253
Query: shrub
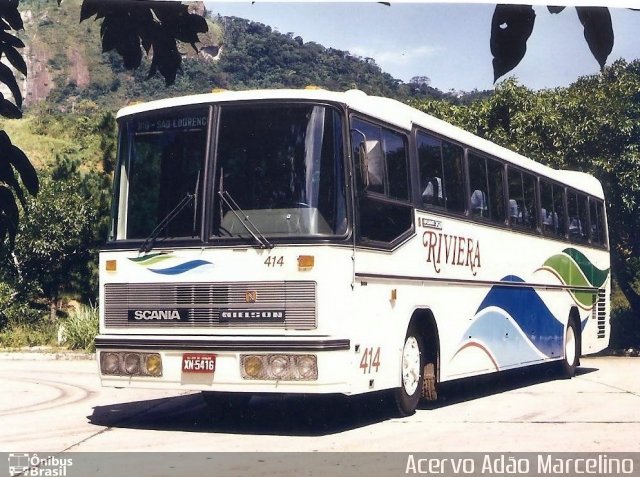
pixel 14 311
pixel 81 328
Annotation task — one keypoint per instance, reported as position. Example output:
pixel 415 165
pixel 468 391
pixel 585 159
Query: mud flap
pixel 429 387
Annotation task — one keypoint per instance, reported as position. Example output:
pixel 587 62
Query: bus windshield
pixel 161 165
pixel 278 167
pixel 283 167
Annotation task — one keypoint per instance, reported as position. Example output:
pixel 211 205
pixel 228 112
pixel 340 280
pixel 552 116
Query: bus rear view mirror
pixel 373 165
pixel 370 158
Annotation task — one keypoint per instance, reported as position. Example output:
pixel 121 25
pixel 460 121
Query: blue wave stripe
pixel 528 310
pixel 501 336
pixel 181 268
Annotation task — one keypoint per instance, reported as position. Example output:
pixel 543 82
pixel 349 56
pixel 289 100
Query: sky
pixel 449 43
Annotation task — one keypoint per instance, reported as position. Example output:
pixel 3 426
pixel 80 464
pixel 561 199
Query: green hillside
pixel 67 64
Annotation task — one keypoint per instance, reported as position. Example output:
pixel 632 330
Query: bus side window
pixel 384 213
pixel 395 152
pixel 382 159
pixel 430 164
pixel 495 176
pixel 453 171
pixel 516 200
pixel 530 202
pixel 602 220
pixel 522 199
pixel 596 219
pixel 551 209
pixel 367 149
pixel 559 212
pixel 578 230
pixel 441 173
pixel 487 192
pixel 478 181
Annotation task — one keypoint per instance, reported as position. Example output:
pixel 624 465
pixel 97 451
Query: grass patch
pixel 81 328
pixel 39 148
pixel 21 335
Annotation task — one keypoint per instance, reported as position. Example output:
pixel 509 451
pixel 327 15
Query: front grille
pixel 599 312
pixel 204 301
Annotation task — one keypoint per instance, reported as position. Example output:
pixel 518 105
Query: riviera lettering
pixel 156 315
pixel 451 250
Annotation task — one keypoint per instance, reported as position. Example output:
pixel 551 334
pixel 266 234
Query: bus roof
pixel 387 110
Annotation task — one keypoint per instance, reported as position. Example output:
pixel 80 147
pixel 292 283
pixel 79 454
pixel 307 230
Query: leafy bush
pixel 81 328
pixel 14 310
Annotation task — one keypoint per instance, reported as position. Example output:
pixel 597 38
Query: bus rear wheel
pixel 571 350
pixel 407 396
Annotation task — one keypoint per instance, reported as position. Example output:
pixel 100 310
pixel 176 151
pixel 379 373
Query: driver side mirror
pixel 370 159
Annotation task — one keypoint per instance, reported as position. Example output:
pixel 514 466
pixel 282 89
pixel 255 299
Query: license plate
pixel 198 363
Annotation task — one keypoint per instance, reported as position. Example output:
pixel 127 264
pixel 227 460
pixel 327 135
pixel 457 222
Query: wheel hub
pixel 570 346
pixel 411 365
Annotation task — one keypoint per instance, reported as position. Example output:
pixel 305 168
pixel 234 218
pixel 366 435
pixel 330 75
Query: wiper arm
pixel 151 239
pixel 244 220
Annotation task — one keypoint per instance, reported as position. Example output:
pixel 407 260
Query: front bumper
pixel 334 359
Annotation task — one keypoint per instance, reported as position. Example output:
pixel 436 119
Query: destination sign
pixel 191 121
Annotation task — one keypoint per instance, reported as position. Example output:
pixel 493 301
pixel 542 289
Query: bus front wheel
pixel 571 350
pixel 407 396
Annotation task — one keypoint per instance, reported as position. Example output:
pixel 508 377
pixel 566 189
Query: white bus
pixel 307 241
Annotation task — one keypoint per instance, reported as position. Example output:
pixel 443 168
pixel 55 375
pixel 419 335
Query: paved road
pixel 53 406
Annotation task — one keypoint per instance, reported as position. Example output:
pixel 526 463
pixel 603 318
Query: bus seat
pixel 478 202
pixel 432 193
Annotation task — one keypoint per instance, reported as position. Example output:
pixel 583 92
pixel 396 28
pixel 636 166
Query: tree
pixel 51 244
pixel 94 187
pixel 592 126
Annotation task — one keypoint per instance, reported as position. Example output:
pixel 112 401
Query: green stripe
pixel 585 298
pixel 567 270
pixel 151 259
pixel 572 275
pixel 593 273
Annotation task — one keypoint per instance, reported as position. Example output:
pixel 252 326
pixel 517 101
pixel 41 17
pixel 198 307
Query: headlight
pixel 130 363
pixel 153 365
pixel 279 367
pixel 252 367
pixel 110 363
pixel 307 367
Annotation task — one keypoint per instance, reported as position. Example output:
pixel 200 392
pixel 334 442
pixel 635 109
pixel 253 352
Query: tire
pixel 571 350
pixel 226 405
pixel 407 396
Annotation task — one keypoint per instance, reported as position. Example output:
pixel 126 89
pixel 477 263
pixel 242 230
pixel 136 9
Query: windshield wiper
pixel 151 239
pixel 244 220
